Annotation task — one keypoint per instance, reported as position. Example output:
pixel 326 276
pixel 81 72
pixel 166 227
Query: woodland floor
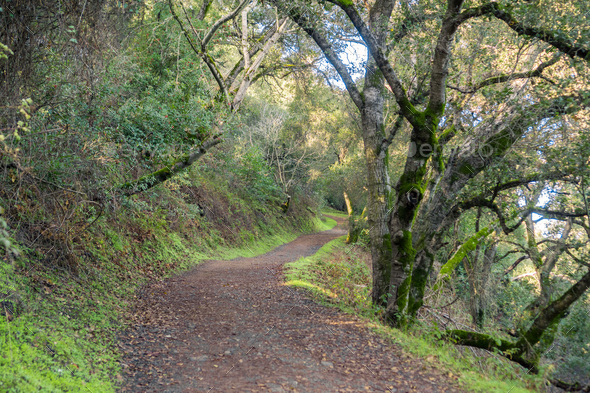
pixel 234 326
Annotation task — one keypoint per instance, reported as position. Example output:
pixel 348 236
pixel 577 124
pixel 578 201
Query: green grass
pixel 325 224
pixel 268 243
pixel 65 340
pixel 301 272
pixel 334 212
pixel 335 278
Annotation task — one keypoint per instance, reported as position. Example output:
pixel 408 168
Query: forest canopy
pixel 456 136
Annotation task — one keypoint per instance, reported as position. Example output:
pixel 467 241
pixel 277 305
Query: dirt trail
pixel 233 326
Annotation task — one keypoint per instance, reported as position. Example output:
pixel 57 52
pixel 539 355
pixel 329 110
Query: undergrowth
pixel 60 321
pixel 339 275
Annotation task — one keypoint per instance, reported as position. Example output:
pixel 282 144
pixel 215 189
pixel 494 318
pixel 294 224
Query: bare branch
pixel 257 47
pixel 382 62
pixel 220 23
pixel 251 70
pixel 515 264
pixel 554 175
pixel 557 214
pixel 202 52
pixel 304 22
pixel 576 259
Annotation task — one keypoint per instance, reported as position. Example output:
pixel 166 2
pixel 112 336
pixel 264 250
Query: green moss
pixel 406 245
pixel 410 111
pixel 408 186
pixel 416 295
pixel 149 180
pixel 407 255
pixel 467 247
pixel 65 339
pixel 447 132
pixel 435 112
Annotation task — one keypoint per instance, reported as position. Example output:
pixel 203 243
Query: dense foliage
pixel 459 148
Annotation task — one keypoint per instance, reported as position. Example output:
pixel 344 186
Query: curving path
pixel 232 326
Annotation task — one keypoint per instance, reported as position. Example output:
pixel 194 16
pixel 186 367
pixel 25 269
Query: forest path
pixel 233 326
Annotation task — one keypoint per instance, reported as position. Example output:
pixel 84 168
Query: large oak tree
pixel 457 131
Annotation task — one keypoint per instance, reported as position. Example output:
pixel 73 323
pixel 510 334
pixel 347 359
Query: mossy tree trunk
pixel 148 181
pixel 407 222
pixel 531 344
pixel 370 103
pixel 354 227
pixel 380 198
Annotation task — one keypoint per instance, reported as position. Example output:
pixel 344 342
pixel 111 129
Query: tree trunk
pixel 379 198
pixel 353 226
pixel 412 259
pixel 478 283
pixel 553 313
pixel 487 342
pixel 153 179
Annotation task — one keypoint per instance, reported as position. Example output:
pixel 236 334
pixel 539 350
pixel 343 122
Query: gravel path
pixel 230 326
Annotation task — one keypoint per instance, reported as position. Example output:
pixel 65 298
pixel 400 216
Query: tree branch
pixel 557 214
pixel 481 150
pixel 406 107
pixel 515 264
pixel 153 179
pixel 258 45
pixel 204 9
pixel 202 51
pixel 547 36
pixel 570 387
pixel 487 342
pixel 220 23
pixel 554 310
pixel 553 175
pixel 537 72
pixel 251 70
pixel 440 62
pixel 304 22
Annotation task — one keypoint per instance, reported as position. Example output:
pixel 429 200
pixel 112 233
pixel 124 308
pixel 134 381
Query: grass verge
pixel 58 330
